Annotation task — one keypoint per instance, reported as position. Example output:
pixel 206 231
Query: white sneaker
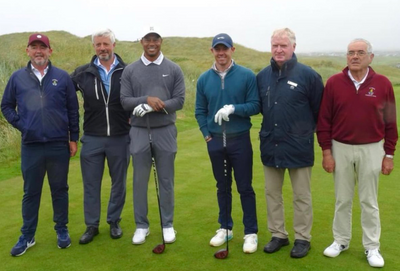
pixel 375 258
pixel 140 236
pixel 220 238
pixel 335 249
pixel 250 243
pixel 169 235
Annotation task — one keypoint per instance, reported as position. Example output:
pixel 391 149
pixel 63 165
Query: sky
pixel 319 25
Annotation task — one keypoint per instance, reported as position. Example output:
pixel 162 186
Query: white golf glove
pixel 142 109
pixel 223 113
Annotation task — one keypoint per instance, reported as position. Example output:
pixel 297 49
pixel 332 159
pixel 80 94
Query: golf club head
pixel 159 249
pixel 221 254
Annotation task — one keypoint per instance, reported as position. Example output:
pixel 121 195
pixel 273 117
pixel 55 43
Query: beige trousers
pixel 357 164
pixel 302 205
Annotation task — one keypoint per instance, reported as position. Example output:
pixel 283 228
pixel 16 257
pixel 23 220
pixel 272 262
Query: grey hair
pixel 104 33
pixel 285 32
pixel 369 45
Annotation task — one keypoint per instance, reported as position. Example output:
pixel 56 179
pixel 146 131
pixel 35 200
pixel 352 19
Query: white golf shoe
pixel 140 236
pixel 250 243
pixel 220 238
pixel 335 249
pixel 169 235
pixel 375 258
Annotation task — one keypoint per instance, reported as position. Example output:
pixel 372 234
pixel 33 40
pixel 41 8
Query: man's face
pixel 358 58
pixel 282 50
pixel 223 54
pixel 151 46
pixel 104 48
pixel 39 53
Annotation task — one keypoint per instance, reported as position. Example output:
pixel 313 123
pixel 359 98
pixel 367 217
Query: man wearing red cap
pixel 40 101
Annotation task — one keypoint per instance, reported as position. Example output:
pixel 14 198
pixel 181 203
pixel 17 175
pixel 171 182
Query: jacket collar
pixel 288 65
pixel 29 67
pixel 121 63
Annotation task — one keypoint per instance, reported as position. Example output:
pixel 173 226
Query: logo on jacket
pixel 292 84
pixel 55 82
pixel 371 92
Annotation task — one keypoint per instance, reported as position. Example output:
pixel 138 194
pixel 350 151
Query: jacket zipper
pixel 95 87
pixel 106 101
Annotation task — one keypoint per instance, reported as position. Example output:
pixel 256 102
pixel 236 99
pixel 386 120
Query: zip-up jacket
pixel 104 115
pixel 290 99
pixel 362 116
pixel 239 88
pixel 45 111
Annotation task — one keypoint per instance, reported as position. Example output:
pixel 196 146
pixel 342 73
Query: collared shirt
pixel 147 62
pixel 104 74
pixel 356 83
pixel 223 73
pixel 38 74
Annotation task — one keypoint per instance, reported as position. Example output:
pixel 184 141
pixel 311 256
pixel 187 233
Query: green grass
pixel 195 192
pixel 195 221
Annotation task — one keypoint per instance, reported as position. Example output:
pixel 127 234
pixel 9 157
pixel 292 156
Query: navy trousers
pixel 239 157
pixel 36 160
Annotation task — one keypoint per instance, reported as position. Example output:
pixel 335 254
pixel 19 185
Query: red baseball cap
pixel 39 37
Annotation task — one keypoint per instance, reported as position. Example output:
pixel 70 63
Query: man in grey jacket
pixel 153 88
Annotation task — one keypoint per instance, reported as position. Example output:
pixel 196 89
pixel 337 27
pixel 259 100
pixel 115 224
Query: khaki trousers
pixel 357 164
pixel 302 204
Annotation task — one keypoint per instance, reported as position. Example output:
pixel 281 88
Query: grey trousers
pixel 164 150
pixel 94 151
pixel 302 203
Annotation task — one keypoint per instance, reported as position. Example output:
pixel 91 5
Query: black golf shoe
pixel 300 248
pixel 115 230
pixel 275 244
pixel 89 234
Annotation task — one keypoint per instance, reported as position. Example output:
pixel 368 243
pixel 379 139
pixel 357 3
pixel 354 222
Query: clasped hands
pixel 153 104
pixel 142 109
pixel 223 113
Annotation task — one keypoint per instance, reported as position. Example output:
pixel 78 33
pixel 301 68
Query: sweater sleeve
pixel 324 124
pixel 177 99
pixel 252 104
pixel 128 99
pixel 389 115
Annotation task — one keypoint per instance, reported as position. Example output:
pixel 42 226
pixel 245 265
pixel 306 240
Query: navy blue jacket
pixel 290 98
pixel 43 111
pixel 104 115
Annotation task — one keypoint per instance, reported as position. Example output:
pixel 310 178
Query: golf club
pixel 223 253
pixel 160 247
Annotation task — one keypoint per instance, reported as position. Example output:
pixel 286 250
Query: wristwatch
pixel 389 156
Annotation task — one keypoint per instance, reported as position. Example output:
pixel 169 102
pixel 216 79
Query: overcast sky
pixel 320 25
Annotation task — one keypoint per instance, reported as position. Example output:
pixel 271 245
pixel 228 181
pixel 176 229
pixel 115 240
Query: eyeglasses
pixel 359 53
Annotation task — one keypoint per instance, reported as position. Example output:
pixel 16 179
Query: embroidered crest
pixel 371 92
pixel 55 82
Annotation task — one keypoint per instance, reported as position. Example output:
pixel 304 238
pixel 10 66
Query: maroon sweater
pixel 362 116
